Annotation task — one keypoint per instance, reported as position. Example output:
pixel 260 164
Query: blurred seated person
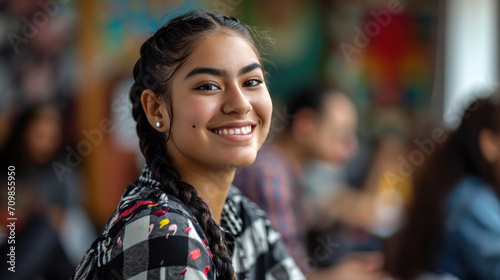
pixel 49 230
pixel 357 206
pixel 453 224
pixel 322 126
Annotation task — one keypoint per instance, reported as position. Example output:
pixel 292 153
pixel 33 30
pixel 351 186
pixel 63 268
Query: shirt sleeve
pixel 161 246
pixel 479 236
pixel 269 186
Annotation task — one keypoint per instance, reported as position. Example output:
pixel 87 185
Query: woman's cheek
pixel 197 113
pixel 264 107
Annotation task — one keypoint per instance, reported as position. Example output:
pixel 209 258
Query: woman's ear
pixel 489 144
pixel 155 110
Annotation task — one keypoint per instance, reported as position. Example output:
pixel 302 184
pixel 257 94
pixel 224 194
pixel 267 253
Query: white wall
pixel 471 53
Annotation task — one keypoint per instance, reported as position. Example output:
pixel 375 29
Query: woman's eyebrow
pixel 206 70
pixel 220 72
pixel 250 67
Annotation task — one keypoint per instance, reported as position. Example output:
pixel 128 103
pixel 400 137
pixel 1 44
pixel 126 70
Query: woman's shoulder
pixel 155 241
pixel 151 233
pixel 472 204
pixel 139 201
pixel 471 193
pixel 472 226
pixel 145 214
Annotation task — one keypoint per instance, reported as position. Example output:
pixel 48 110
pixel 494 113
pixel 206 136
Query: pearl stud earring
pixel 158 124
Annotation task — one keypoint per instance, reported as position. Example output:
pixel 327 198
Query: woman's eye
pixel 252 83
pixel 207 87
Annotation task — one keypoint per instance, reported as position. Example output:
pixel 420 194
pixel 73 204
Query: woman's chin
pixel 245 162
pixel 238 161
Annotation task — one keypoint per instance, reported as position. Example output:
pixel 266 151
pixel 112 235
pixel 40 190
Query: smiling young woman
pixel 202 110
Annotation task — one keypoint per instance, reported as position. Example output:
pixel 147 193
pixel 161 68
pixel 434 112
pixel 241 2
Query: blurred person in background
pixel 52 228
pixel 453 224
pixel 357 204
pixel 321 125
pixel 42 199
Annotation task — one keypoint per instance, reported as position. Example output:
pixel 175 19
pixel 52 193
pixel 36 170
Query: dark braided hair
pixel 161 56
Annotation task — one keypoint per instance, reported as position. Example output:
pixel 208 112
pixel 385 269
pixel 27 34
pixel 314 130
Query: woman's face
pixel 221 105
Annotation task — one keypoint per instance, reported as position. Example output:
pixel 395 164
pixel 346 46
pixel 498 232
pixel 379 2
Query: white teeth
pixel 246 129
pixel 238 131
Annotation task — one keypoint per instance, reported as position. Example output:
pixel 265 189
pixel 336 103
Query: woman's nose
pixel 236 102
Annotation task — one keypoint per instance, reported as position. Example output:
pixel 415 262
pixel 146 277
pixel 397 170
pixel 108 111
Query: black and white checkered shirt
pixel 152 235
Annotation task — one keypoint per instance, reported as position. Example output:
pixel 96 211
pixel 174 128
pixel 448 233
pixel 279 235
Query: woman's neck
pixel 212 186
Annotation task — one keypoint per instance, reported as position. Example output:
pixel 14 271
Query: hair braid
pixel 161 55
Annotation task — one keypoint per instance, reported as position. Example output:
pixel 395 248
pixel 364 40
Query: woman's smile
pixel 235 131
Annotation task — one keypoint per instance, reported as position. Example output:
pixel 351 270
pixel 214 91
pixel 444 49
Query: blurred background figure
pixel 38 123
pixel 53 228
pixel 357 204
pixel 321 124
pixel 453 224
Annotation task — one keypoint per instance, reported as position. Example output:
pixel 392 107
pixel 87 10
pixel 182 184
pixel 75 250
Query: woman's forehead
pixel 222 50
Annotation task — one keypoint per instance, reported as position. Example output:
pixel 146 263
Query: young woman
pixel 454 222
pixel 202 110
